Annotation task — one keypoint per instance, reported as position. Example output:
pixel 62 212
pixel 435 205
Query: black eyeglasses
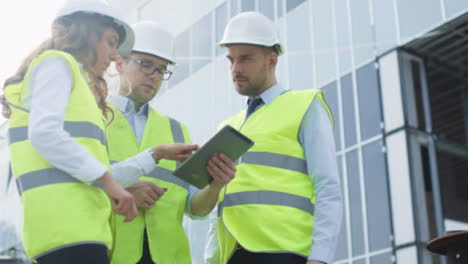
pixel 149 68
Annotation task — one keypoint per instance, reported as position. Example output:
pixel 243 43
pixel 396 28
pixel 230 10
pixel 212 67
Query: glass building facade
pixel 369 58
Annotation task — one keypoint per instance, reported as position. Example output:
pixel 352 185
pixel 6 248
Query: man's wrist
pixel 215 187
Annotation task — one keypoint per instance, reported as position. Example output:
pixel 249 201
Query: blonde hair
pixel 77 34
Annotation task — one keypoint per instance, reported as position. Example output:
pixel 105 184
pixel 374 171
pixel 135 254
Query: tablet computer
pixel 228 141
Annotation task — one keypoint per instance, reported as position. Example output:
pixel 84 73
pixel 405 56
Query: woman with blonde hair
pixel 56 105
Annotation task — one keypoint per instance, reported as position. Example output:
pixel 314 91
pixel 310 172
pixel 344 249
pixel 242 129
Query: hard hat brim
pixel 125 48
pixel 223 44
pixel 170 61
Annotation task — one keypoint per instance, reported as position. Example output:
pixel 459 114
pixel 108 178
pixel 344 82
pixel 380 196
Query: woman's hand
pixel 123 202
pixel 176 151
pixel 146 193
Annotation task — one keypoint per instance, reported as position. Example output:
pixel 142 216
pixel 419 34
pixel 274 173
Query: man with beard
pixel 156 235
pixel 284 204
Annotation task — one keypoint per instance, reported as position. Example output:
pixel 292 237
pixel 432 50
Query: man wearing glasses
pixel 156 235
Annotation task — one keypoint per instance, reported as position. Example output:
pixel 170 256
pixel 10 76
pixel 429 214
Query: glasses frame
pixel 166 74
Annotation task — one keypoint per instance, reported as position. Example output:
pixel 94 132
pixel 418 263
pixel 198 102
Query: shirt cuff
pixel 320 252
pixel 91 170
pixel 145 161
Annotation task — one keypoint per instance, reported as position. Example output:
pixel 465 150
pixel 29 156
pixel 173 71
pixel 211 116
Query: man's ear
pixel 272 60
pixel 119 64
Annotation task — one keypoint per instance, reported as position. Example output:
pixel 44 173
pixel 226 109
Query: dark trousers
pixel 146 258
pixel 242 256
pixel 79 254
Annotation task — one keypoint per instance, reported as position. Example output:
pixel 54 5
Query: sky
pixel 24 24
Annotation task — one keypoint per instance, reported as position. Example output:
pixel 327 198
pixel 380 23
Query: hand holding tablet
pixel 228 141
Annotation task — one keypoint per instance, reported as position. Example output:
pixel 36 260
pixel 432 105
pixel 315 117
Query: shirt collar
pixel 270 94
pixel 127 105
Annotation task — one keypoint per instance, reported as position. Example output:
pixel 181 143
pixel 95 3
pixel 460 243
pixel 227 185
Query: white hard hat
pixel 154 39
pixel 251 28
pixel 103 8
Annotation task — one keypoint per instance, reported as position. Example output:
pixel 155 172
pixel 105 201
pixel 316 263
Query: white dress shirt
pixel 316 138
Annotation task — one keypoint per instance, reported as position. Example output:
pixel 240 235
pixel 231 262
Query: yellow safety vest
pixel 59 210
pixel 168 242
pixel 269 205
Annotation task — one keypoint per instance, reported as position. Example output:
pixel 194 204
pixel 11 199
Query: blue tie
pixel 253 105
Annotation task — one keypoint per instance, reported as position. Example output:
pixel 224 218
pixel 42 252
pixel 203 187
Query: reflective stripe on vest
pixel 178 137
pixel 176 130
pixel 44 177
pixel 275 160
pixel 267 197
pixel 166 175
pixel 76 129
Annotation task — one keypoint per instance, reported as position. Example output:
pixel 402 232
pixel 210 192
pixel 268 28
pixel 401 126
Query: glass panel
pixel 197 64
pixel 248 5
pixel 267 8
pixel 363 36
pixel 331 97
pixel 323 41
pixel 298 40
pixel 369 101
pixel 454 7
pixel 291 4
pixel 224 88
pixel 180 73
pixel 300 72
pixel 361 261
pixel 220 24
pixel 349 120
pixel 385 25
pixel 414 19
pixel 182 44
pixel 202 42
pixel 407 255
pixel 343 35
pixel 193 89
pixel 448 95
pixel 417 119
pixel 377 197
pixel 453 182
pixel 235 5
pixel 280 10
pixel 386 258
pixel 355 206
